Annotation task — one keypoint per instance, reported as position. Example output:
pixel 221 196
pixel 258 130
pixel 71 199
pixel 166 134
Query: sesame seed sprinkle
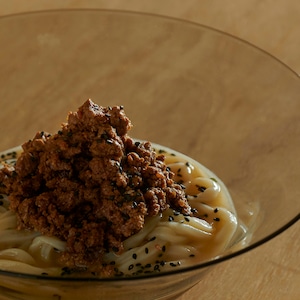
pixel 156 268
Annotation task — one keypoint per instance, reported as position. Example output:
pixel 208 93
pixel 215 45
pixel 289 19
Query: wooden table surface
pixel 271 271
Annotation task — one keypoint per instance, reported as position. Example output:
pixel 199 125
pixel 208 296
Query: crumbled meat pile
pixel 90 184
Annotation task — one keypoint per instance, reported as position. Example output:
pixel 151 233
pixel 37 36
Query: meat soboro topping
pixel 90 184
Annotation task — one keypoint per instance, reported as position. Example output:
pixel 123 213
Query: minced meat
pixel 90 184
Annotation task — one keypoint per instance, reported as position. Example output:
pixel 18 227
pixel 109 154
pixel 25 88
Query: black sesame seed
pixel 173 264
pixel 216 210
pixel 187 219
pixel 217 219
pixel 194 210
pixel 134 256
pixel 170 219
pixel 162 263
pixel 138 264
pixel 104 136
pixel 192 255
pixel 137 144
pixel 152 239
pixel 200 188
pixel 66 271
pixel 146 250
pixel 125 217
pixel 148 266
pixel 182 186
pixel 130 267
pixel 156 268
pixel 176 213
pixel 163 248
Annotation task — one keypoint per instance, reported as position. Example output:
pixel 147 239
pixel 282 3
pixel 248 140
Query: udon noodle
pixel 169 240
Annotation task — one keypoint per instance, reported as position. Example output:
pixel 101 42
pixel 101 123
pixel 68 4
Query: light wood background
pixel 273 270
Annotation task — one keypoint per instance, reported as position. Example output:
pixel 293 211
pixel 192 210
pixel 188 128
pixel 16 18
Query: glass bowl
pixel 206 94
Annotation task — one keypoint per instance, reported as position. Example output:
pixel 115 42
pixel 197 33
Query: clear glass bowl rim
pixel 179 270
